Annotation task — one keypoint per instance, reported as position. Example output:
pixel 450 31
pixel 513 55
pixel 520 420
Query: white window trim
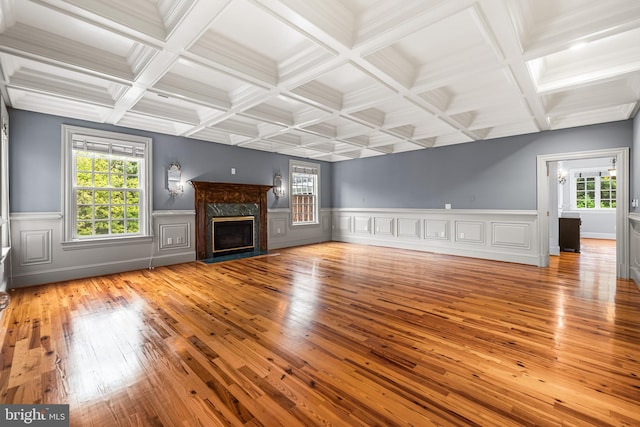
pixel 300 163
pixel 68 242
pixel 573 187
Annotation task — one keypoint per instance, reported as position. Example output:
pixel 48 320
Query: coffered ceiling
pixel 325 79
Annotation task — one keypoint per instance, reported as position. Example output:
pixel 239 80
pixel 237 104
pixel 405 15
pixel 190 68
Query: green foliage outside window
pixel 596 192
pixel 107 195
pixel 608 186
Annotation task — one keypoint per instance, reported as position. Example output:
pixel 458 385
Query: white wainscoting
pixel 282 234
pixel 5 268
pixel 38 256
pixel 634 247
pixel 488 234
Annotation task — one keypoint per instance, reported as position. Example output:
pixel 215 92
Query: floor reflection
pixel 304 299
pixel 104 346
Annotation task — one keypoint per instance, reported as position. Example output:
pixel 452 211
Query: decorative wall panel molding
pixel 511 235
pixel 488 234
pixel 325 220
pixel 362 225
pixel 383 226
pixel 470 232
pixel 35 247
pixel 277 226
pixel 436 229
pixel 634 247
pixel 343 224
pixel 283 234
pixel 42 259
pixel 174 236
pixel 409 228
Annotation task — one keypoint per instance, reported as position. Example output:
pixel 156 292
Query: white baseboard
pixel 98 269
pixel 456 251
pixel 606 236
pixel 635 275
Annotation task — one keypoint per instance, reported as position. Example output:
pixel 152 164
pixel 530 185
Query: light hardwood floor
pixel 333 334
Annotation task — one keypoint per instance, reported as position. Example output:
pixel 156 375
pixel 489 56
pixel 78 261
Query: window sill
pixel 305 224
pixel 107 242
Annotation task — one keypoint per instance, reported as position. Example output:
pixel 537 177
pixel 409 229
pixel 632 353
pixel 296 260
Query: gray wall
pixel 479 175
pixel 492 174
pixel 35 160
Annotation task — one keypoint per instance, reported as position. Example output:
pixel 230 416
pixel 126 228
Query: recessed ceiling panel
pixel 153 124
pixel 249 25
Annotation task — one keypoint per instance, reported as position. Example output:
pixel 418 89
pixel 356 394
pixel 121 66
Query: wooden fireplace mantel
pixel 219 192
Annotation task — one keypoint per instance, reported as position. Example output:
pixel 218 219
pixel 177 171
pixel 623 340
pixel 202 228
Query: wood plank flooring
pixel 333 334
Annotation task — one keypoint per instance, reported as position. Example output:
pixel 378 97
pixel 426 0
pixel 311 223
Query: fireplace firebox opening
pixel 232 234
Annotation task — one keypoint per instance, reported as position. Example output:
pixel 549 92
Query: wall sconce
pixel 612 169
pixel 174 179
pixel 278 188
pixel 562 176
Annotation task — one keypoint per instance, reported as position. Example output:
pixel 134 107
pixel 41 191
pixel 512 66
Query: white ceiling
pixel 325 79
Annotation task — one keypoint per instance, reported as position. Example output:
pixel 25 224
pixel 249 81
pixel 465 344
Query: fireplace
pixel 232 234
pixel 217 201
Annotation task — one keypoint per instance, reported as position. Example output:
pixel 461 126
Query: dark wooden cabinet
pixel 570 234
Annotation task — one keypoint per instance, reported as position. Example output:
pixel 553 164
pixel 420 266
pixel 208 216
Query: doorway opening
pixel 547 200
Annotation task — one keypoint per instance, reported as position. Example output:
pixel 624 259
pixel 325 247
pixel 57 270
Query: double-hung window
pixel 304 192
pixel 107 191
pixel 593 189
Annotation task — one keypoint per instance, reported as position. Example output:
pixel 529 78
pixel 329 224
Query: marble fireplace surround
pixel 227 199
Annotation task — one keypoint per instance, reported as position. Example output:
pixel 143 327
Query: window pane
pixel 117 212
pixel 117 166
pixel 84 179
pixel 132 168
pixel 84 228
pixel 133 226
pixel 117 227
pixel 580 185
pixel 132 181
pixel 102 212
pixel 101 165
pixel 85 212
pixel 84 163
pixel 84 196
pixel 102 197
pixel 133 198
pixel 132 211
pixel 117 181
pixel 102 227
pixel 101 180
pixel 117 197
